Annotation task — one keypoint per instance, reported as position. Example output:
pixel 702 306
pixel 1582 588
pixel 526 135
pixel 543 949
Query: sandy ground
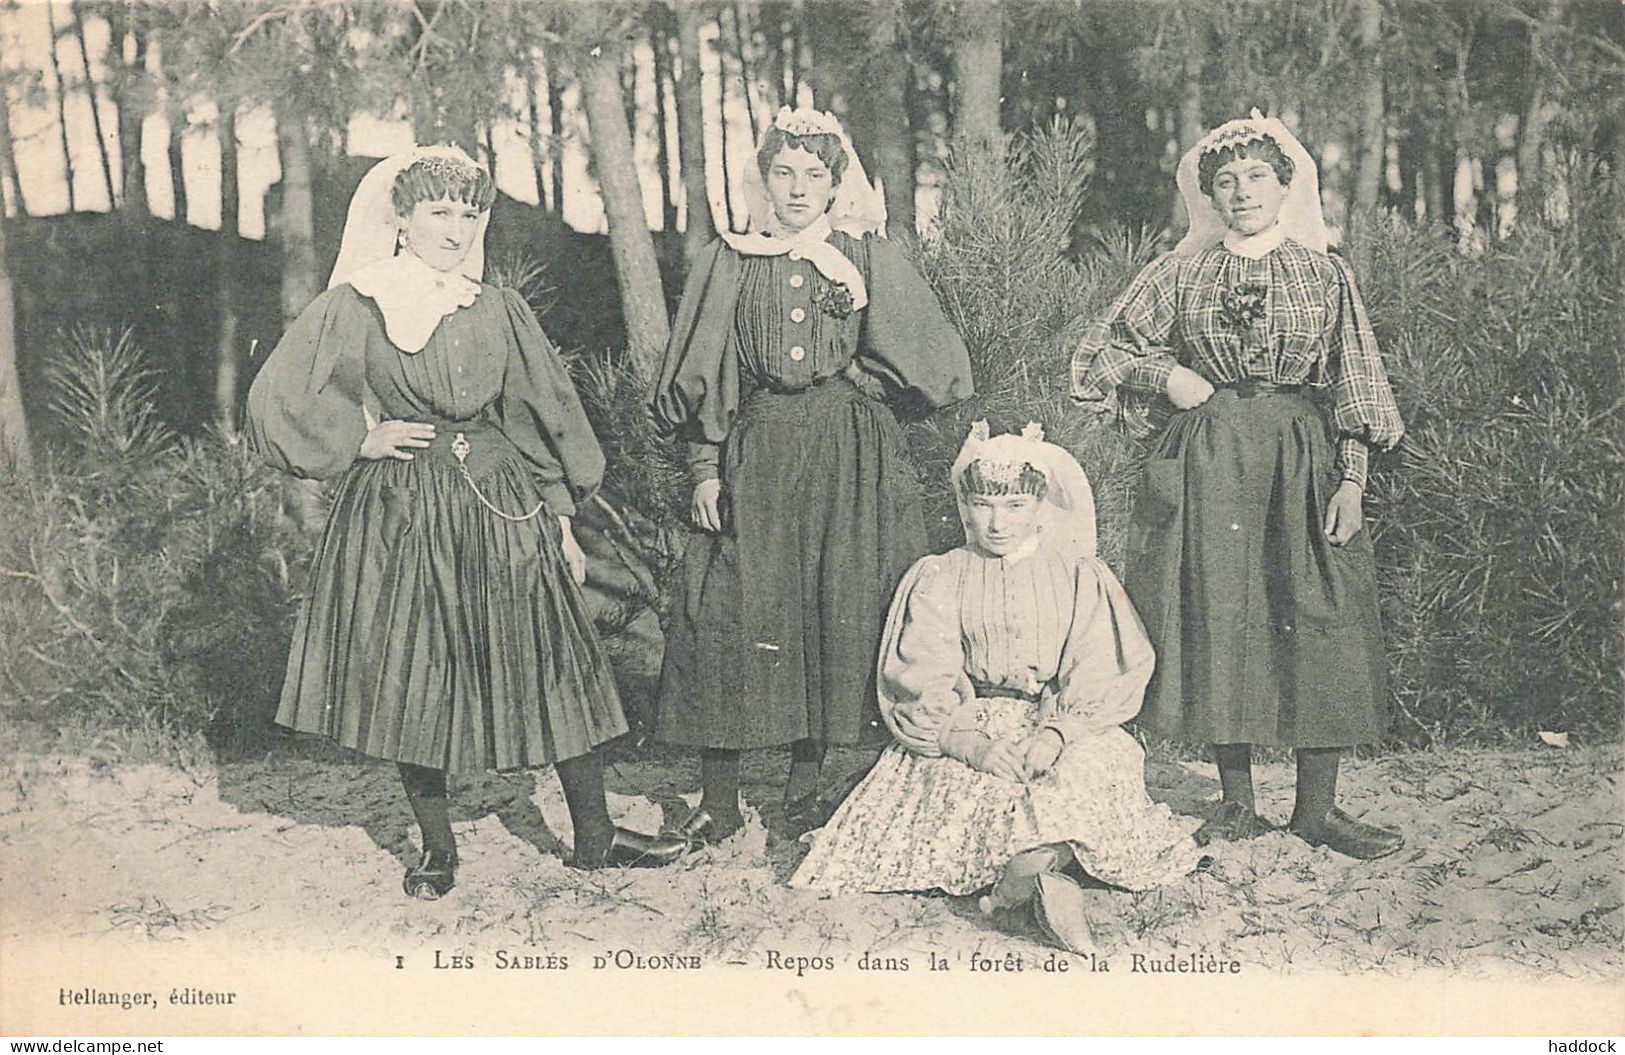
pixel 1513 865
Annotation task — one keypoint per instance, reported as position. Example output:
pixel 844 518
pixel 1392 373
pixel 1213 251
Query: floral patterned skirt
pixel 919 823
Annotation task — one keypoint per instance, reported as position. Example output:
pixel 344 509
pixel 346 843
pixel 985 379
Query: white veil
pixel 1300 217
pixel 859 207
pixel 1067 516
pixel 370 231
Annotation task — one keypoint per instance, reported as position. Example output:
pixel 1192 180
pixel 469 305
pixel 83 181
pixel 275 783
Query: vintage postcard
pixel 811 518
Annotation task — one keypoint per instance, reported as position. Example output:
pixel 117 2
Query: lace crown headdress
pixel 1067 516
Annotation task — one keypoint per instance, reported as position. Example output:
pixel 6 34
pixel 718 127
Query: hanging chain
pixel 460 449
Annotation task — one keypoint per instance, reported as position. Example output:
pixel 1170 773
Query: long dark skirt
pixel 775 629
pixel 437 633
pixel 1265 632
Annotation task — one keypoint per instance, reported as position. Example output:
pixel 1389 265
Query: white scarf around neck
pixel 1255 246
pixel 812 244
pixel 413 297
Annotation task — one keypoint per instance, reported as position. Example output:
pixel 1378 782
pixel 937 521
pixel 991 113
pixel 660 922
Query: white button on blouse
pixel 796 281
pixel 797 315
pixel 798 353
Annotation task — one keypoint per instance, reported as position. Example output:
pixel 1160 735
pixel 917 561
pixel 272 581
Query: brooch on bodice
pixel 834 300
pixel 1243 304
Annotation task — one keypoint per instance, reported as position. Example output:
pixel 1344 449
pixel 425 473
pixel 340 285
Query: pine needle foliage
pixel 104 397
pixel 1500 525
pixel 1004 266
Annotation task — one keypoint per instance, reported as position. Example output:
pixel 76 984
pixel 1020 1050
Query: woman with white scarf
pixel 1249 559
pixel 789 345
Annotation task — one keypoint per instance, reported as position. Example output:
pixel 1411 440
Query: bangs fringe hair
pixel 1262 148
pixel 973 481
pixel 435 178
pixel 822 145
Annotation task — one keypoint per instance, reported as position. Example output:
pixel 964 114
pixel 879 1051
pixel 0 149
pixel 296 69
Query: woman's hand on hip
pixel 396 439
pixel 1188 389
pixel 574 558
pixel 1344 515
pixel 706 509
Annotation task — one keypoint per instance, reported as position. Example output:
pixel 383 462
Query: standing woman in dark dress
pixel 444 627
pixel 787 341
pixel 1248 557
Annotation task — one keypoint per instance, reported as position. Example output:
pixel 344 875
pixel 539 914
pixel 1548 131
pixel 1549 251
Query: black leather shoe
pixel 1233 823
pixel 1345 835
pixel 805 814
pixel 704 828
pixel 432 877
pixel 630 849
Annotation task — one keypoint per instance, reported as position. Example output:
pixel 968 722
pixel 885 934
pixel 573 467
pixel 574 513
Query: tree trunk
pixel 1433 196
pixel 770 16
pixel 10 188
pixel 130 96
pixel 701 228
pixel 177 168
pixel 228 361
pixel 1410 175
pixel 660 45
pixel 61 108
pixel 555 117
pixel 738 16
pixel 892 134
pixel 297 223
pixel 636 271
pixel 95 106
pixel 978 69
pixel 1449 164
pixel 538 152
pixel 1191 127
pixel 15 452
pixel 722 125
pixel 1373 117
pixel 1532 125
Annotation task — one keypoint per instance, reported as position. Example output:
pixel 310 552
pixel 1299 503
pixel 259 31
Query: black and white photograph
pixel 812 517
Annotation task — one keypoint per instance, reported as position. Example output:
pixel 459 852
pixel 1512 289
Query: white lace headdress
pixel 411 295
pixel 858 207
pixel 1300 218
pixel 1067 516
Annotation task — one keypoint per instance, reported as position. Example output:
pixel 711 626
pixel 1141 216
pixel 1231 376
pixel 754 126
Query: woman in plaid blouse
pixel 1247 555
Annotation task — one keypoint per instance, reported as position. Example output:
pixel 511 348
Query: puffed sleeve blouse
pixel 1051 623
pixel 1312 330
pixel 489 362
pixel 774 321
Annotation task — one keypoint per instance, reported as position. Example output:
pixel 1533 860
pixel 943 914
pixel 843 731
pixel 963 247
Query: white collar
pixel 1255 246
pixel 413 297
pixel 812 244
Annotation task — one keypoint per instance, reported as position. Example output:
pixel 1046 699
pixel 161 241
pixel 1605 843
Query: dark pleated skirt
pixel 437 633
pixel 775 628
pixel 1265 632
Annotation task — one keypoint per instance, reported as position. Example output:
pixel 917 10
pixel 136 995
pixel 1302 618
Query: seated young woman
pixel 1006 669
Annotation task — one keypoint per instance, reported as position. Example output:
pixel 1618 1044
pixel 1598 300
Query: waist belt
pixel 987 690
pixel 1248 387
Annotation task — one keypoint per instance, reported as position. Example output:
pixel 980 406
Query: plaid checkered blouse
pixel 1291 317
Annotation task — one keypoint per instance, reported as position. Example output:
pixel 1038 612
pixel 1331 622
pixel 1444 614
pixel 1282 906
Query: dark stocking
pixel 719 783
pixel 426 794
pixel 1317 787
pixel 1235 763
pixel 806 764
pixel 583 781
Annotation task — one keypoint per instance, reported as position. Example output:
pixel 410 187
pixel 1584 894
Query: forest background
pixel 1469 156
